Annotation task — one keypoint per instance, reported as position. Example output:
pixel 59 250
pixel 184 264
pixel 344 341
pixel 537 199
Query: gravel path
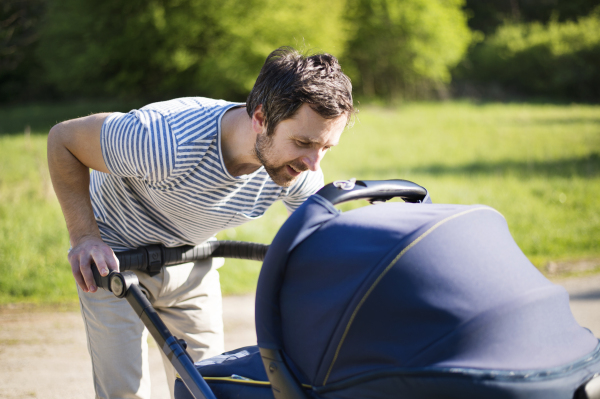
pixel 44 354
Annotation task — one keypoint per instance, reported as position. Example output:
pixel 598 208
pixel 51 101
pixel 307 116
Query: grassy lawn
pixel 537 164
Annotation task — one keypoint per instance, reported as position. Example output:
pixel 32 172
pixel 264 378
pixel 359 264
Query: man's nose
pixel 313 159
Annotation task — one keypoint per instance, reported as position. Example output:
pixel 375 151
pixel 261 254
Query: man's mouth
pixel 293 171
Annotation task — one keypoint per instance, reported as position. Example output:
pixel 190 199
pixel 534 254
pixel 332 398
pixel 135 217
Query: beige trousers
pixel 187 298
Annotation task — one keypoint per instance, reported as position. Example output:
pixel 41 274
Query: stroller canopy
pixel 402 285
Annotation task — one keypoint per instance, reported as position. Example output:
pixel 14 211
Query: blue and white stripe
pixel 168 183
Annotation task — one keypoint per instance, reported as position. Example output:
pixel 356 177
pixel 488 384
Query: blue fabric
pixel 457 383
pixel 245 362
pixel 558 383
pixel 227 390
pixel 432 382
pixel 335 296
pixel 410 300
pixel 465 296
pixel 305 220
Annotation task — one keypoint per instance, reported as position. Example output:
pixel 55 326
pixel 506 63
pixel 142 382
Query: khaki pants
pixel 187 298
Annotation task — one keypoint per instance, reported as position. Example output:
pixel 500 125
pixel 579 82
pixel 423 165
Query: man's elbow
pixel 54 136
pixel 78 138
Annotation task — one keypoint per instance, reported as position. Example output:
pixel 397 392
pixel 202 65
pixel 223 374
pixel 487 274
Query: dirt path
pixel 584 294
pixel 44 354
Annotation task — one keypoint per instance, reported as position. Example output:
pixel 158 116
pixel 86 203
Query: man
pixel 176 173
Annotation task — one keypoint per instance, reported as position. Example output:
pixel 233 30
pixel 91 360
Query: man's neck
pixel 237 142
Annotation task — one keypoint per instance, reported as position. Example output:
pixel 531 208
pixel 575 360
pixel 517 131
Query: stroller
pixel 398 300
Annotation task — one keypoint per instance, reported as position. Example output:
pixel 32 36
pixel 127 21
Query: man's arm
pixel 73 148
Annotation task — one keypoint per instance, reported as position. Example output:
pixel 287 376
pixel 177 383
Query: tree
pixel 159 48
pixel 19 35
pixel 487 15
pixel 557 59
pixel 402 48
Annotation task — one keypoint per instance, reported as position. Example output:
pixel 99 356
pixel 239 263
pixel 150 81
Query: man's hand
pixel 91 249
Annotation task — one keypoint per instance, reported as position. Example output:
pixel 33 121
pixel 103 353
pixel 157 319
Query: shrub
pixel 556 59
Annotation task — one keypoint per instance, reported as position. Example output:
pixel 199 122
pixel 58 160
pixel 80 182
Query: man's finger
pixel 102 266
pixel 77 275
pixel 112 261
pixel 88 276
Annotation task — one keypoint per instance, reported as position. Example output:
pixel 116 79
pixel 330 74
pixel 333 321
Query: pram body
pixel 405 300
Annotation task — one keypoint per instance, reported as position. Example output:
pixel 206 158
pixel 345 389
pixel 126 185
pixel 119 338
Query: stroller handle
pixel 372 190
pixel 152 258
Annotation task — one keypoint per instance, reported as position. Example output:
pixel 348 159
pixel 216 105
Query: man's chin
pixel 284 182
pixel 281 178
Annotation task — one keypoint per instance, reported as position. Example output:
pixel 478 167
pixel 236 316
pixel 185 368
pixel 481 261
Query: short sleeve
pixel 307 185
pixel 139 144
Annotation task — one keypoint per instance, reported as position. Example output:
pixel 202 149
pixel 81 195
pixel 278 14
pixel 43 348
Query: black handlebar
pixel 372 190
pixel 152 258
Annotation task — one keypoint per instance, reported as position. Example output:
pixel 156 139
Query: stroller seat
pixel 404 300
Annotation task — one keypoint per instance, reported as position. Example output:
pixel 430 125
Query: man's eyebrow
pixel 311 140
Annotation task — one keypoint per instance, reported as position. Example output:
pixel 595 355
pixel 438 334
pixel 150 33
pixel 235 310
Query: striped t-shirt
pixel 168 183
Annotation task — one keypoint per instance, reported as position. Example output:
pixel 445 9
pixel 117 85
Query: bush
pixel 486 16
pixel 20 70
pixel 555 60
pixel 401 48
pixel 156 49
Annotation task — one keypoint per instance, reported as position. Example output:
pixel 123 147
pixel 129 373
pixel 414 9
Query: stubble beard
pixel 263 150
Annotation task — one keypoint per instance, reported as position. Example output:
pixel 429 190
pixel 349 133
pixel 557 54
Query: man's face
pixel 297 144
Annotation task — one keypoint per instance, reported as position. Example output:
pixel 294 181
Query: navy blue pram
pixel 405 300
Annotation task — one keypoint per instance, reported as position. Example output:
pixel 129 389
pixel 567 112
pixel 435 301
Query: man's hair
pixel 289 79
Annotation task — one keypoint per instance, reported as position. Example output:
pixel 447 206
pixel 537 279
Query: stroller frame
pixel 151 259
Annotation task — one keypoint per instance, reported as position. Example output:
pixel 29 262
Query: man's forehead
pixel 308 126
pixel 307 112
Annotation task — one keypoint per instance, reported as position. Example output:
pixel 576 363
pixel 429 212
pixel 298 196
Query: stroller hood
pixel 402 285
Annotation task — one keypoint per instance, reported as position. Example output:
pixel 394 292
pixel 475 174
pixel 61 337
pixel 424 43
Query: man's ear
pixel 258 120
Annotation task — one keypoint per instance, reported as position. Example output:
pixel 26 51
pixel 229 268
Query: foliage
pixel 401 48
pixel 163 48
pixel 559 59
pixel 537 164
pixel 19 35
pixel 155 49
pixel 41 117
pixel 158 49
pixel 487 15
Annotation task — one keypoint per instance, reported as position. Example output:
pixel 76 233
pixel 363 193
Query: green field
pixel 537 164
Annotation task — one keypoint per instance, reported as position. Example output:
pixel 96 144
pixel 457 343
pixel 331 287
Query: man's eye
pixel 302 143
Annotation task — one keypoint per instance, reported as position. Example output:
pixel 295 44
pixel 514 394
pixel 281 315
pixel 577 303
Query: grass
pixel 537 164
pixel 33 239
